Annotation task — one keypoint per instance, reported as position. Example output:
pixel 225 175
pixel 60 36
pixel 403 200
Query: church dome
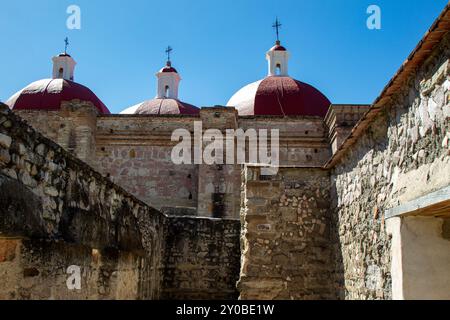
pixel 48 95
pixel 280 96
pixel 166 101
pixel 163 106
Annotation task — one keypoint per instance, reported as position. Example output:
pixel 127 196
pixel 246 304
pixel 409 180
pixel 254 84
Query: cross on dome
pixel 278 56
pixel 277 26
pixel 168 52
pixel 66 41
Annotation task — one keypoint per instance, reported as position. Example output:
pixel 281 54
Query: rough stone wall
pixel 202 259
pixel 286 240
pixel 136 153
pixel 340 120
pixel 36 270
pixel 67 210
pixel 303 140
pixel 149 173
pixel 48 123
pixel 73 127
pixel 55 212
pixel 403 155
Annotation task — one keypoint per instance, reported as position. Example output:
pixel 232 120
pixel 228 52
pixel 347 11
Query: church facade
pixel 358 208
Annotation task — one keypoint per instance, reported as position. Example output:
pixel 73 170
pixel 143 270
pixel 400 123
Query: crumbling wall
pixel 286 240
pixel 403 155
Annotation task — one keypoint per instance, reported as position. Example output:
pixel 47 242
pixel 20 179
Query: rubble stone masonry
pixel 403 155
pixel 141 227
pixel 286 238
pixel 56 212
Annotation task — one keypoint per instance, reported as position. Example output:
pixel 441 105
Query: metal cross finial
pixel 277 25
pixel 168 51
pixel 66 41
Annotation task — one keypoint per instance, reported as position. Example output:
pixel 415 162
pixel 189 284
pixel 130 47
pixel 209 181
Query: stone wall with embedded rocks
pixel 202 259
pixel 135 151
pixel 73 127
pixel 303 140
pixel 70 215
pixel 403 155
pixel 286 237
pixel 56 212
pixel 37 270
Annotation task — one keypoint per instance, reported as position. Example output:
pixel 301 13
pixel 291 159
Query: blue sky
pixel 219 45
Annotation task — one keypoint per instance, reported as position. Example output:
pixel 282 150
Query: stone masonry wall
pixel 136 153
pixel 286 240
pixel 149 173
pixel 403 155
pixel 55 212
pixel 36 269
pixel 202 259
pixel 73 127
pixel 71 216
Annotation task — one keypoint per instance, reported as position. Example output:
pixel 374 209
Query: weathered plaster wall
pixel 286 238
pixel 403 155
pixel 202 259
pixel 421 257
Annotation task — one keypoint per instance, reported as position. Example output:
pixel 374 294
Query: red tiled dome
pixel 163 107
pixel 282 96
pixel 48 94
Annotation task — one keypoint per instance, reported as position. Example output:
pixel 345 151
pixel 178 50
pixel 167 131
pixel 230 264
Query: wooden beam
pixel 435 204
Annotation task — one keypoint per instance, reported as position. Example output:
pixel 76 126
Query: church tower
pixel 166 100
pixel 278 56
pixel 168 80
pixel 64 65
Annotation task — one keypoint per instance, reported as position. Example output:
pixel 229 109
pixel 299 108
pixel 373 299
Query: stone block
pixel 5 141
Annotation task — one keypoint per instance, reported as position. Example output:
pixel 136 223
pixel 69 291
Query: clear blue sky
pixel 219 45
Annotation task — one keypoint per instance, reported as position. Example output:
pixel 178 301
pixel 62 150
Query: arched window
pixel 166 91
pixel 61 73
pixel 278 69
